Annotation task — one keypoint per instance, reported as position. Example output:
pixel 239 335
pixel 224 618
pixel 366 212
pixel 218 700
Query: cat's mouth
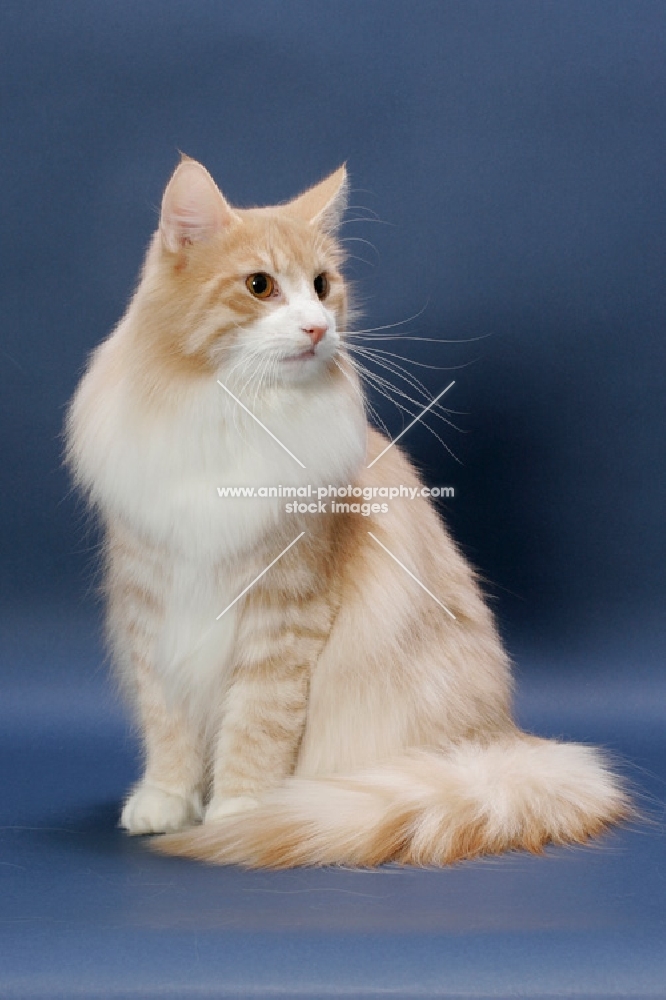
pixel 302 355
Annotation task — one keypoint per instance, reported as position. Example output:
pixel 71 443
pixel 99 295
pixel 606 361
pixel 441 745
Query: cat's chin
pixel 304 366
pixel 301 356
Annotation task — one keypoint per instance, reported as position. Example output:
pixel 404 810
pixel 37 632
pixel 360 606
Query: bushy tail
pixel 425 808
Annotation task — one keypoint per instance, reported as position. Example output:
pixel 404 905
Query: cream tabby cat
pixel 335 712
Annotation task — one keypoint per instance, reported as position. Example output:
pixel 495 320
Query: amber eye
pixel 321 285
pixel 261 285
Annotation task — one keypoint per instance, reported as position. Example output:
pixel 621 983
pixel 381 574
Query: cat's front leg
pixel 168 797
pixel 266 704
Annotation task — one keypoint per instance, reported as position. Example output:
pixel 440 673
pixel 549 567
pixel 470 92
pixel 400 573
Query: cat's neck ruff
pixel 157 464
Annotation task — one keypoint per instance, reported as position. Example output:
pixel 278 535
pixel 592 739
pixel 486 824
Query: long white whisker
pixel 389 326
pixel 390 387
pixel 402 336
pixel 388 366
pixel 367 405
pixel 386 355
pixel 391 365
pixel 353 256
pixel 363 208
pixel 380 384
pixel 410 361
pixel 374 351
pixel 259 381
pixel 380 222
pixel 359 239
pixel 247 360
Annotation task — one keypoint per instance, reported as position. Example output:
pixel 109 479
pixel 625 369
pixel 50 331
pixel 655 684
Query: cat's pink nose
pixel 315 333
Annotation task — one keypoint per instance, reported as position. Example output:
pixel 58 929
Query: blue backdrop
pixel 513 153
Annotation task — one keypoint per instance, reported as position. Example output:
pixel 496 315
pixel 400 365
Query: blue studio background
pixel 514 153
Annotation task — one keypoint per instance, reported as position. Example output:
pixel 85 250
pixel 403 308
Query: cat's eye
pixel 321 285
pixel 261 285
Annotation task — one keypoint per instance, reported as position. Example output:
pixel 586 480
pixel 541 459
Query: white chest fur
pixel 158 467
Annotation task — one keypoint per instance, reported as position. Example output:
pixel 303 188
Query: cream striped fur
pixel 335 713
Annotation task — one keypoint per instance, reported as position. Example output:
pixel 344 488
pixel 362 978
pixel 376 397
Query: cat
pixel 311 688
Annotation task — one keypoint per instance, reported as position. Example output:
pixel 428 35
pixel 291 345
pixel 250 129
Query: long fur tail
pixel 425 808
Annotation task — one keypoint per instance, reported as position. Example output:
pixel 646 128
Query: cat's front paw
pixel 153 810
pixel 222 807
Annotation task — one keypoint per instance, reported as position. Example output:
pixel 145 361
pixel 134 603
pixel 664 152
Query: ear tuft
pixel 324 204
pixel 193 208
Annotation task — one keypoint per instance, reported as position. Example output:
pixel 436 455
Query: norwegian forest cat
pixel 350 703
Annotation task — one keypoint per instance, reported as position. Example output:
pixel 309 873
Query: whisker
pixel 429 340
pixel 389 364
pixel 247 360
pixel 410 361
pixel 381 222
pixel 389 386
pixel 395 369
pixel 363 208
pixel 381 386
pixel 259 382
pixel 359 239
pixel 353 256
pixel 389 326
pixel 367 405
pixel 384 388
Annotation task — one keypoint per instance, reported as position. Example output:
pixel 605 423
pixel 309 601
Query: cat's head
pixel 245 294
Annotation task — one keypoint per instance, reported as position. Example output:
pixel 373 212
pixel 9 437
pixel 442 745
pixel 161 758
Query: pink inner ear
pixel 193 208
pixel 189 224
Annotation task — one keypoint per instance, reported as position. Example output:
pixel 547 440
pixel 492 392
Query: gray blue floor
pixel 86 911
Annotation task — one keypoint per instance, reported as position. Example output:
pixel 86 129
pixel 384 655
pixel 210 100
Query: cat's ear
pixel 324 204
pixel 193 207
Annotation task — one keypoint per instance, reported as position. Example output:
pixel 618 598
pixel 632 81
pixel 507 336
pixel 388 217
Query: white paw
pixel 219 808
pixel 153 810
